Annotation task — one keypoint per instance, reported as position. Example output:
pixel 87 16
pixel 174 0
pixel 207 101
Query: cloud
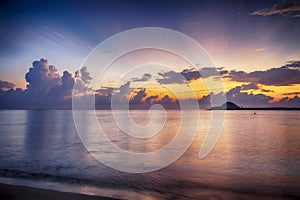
pixel 140 100
pixel 207 72
pixel 145 77
pixel 292 93
pixel 260 49
pixel 166 99
pixel 151 99
pixel 188 75
pixel 182 77
pixel 124 92
pixel 82 79
pixel 249 86
pixel 264 90
pixel 286 75
pixel 296 15
pixel 287 102
pixel 46 89
pixel 125 89
pixel 295 65
pixel 63 90
pixel 171 77
pixel 205 102
pixel 103 97
pixel 239 97
pixel 85 75
pixel 247 100
pixel 140 95
pixel 254 86
pixel 5 85
pixel 285 9
pixel 12 99
pixel 41 78
pixel 105 91
pixel 168 103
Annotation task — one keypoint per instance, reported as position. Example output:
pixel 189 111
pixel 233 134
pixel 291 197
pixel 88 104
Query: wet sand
pixel 14 192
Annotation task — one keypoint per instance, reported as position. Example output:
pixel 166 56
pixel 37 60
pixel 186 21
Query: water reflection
pixel 51 143
pixel 35 135
pixel 255 152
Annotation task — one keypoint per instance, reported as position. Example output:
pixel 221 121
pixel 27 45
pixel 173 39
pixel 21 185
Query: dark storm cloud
pixel 284 76
pixel 5 85
pixel 285 9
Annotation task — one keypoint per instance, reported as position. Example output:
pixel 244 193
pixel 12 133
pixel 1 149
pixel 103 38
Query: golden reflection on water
pixel 253 149
pixel 255 153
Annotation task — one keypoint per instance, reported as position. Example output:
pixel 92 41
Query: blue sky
pixel 65 31
pixel 241 35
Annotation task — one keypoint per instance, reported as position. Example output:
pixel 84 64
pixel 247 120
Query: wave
pixel 153 187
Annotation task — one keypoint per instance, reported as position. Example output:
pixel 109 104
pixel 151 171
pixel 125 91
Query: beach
pixel 15 192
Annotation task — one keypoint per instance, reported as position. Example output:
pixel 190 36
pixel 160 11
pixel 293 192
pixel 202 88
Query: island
pixel 232 106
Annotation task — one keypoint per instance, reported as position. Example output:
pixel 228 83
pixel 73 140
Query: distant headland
pixel 233 106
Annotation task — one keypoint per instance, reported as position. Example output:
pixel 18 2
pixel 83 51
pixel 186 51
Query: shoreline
pixel 20 192
pixel 17 192
pixel 208 109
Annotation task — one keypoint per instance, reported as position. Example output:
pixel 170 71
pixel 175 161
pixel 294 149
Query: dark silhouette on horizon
pixel 233 106
pixel 227 106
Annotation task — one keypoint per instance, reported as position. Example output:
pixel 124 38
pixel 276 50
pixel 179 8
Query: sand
pixel 13 192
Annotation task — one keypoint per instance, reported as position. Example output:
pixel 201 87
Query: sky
pixel 254 45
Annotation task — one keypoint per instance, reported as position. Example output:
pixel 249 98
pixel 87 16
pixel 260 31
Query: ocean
pixel 256 155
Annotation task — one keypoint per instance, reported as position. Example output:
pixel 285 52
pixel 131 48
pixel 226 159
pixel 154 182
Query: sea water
pixel 256 154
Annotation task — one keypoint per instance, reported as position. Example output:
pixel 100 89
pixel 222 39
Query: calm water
pixel 255 155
